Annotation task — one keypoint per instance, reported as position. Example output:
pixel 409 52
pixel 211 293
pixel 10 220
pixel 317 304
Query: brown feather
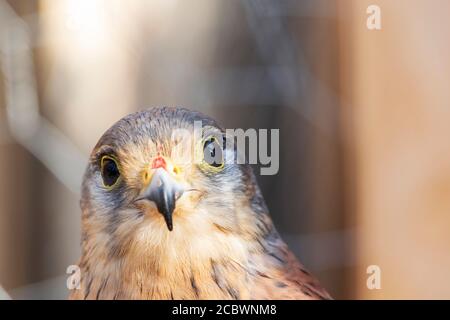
pixel 223 244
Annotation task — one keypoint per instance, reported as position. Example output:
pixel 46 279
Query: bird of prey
pixel 156 225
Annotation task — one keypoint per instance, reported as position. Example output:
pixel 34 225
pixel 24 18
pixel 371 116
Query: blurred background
pixel 363 116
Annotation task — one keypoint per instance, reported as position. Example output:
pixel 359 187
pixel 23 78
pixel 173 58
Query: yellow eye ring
pixel 110 171
pixel 201 154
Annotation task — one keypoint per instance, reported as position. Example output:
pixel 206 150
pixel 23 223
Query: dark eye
pixel 213 153
pixel 110 171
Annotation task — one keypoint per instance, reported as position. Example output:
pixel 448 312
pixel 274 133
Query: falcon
pixel 169 214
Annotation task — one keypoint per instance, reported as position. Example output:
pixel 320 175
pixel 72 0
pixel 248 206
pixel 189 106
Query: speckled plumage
pixel 223 244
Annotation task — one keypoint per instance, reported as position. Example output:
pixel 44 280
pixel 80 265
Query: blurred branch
pixel 289 70
pixel 4 295
pixel 26 125
pixel 54 288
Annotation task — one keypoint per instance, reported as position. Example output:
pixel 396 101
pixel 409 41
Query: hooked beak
pixel 163 190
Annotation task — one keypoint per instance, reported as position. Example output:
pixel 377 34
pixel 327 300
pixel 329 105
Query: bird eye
pixel 110 171
pixel 213 153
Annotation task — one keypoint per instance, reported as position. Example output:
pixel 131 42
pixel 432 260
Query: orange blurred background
pixel 363 116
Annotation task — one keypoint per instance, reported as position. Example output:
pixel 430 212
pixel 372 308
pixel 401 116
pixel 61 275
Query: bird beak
pixel 162 188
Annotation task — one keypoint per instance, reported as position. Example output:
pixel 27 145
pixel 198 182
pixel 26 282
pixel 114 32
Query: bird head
pixel 153 177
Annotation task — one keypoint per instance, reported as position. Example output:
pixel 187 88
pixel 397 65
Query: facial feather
pixel 220 240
